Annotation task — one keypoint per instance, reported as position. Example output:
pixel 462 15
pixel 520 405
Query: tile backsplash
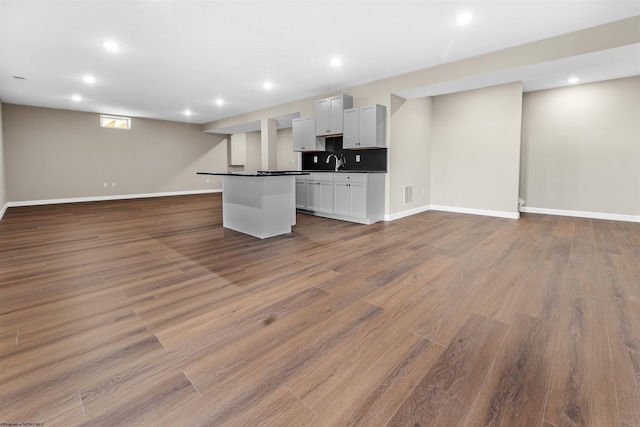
pixel 371 159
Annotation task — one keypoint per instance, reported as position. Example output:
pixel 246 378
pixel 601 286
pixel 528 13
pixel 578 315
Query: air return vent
pixel 408 194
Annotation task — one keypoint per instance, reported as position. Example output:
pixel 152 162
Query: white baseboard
pixel 3 210
pixel 582 214
pixel 404 214
pixel 498 214
pixel 105 198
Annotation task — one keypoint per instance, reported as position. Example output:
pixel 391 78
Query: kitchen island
pixel 261 204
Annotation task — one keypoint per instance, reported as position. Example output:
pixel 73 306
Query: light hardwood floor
pixel 148 312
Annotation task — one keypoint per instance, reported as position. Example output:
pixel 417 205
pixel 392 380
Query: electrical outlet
pixel 423 191
pixel 105 185
pixel 357 158
pixel 207 180
pixel 315 159
pixel 113 184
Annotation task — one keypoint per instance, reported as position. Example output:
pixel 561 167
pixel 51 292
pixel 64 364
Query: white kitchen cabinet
pixel 301 192
pixel 350 194
pixel 365 127
pixel 304 135
pixel 329 114
pixel 355 197
pixel 319 197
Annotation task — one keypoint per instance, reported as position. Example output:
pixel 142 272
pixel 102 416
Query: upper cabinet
pixel 365 127
pixel 329 114
pixel 304 135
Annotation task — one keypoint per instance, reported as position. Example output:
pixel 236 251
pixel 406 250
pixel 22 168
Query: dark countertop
pixel 342 171
pixel 255 173
pixel 283 173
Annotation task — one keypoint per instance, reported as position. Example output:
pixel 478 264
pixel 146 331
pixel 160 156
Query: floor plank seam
pixel 301 400
pixel 192 383
pixel 429 339
pixel 546 390
pixel 613 376
pixel 84 412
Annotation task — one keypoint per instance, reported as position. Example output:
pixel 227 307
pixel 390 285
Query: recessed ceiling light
pixel 89 79
pixel 573 80
pixel 219 101
pixel 187 112
pixel 110 45
pixel 464 18
pixel 336 62
pixel 267 85
pixel 76 98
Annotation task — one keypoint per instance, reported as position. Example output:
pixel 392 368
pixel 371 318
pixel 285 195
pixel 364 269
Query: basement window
pixel 115 122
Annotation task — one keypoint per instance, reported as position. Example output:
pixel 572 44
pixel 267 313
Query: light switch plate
pixel 357 158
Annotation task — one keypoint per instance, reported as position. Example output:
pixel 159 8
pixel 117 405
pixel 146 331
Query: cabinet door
pixel 341 198
pixel 358 199
pixel 351 133
pixel 310 142
pixel 301 193
pixel 367 126
pixel 313 195
pixel 336 110
pixel 322 116
pixel 297 129
pixel 326 197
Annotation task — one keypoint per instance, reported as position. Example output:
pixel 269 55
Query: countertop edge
pixel 254 174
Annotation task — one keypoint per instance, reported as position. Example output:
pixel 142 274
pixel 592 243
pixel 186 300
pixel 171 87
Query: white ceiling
pixel 184 54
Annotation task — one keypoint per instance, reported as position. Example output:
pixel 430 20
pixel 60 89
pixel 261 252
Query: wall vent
pixel 408 194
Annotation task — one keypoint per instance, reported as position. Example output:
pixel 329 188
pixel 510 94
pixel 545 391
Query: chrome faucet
pixel 340 161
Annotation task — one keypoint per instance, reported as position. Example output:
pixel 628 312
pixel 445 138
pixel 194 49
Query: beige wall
pixel 581 148
pixel 607 36
pixel 287 158
pixel 47 152
pixel 58 154
pixel 410 165
pixel 254 150
pixel 475 149
pixel 3 186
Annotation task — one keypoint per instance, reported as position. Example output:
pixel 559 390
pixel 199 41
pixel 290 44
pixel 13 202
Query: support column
pixel 268 149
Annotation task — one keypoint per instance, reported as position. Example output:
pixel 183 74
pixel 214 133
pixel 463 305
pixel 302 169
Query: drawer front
pixel 350 177
pixel 321 176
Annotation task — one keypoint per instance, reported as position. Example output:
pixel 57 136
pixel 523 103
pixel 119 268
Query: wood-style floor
pixel 149 313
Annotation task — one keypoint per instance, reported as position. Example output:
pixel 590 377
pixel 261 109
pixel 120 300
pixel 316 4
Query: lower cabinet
pixel 350 195
pixel 319 197
pixel 301 192
pixel 357 197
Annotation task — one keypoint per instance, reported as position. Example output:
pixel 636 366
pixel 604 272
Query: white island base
pixel 261 206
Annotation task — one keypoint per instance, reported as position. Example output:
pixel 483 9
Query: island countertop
pixel 288 172
pixel 255 173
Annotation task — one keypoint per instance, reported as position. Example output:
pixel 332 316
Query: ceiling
pixel 185 54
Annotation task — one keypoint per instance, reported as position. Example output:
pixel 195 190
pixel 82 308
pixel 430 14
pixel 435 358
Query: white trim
pixel 404 214
pixel 582 214
pixel 499 214
pixel 3 210
pixel 105 198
